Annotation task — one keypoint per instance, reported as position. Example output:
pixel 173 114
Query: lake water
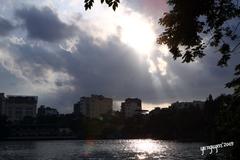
pixel 99 149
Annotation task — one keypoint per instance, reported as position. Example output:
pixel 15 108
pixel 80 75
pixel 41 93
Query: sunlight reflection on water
pixel 147 146
pixel 99 149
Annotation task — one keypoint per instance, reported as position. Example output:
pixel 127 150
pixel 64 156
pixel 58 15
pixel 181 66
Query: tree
pixel 235 83
pixel 190 22
pixel 88 4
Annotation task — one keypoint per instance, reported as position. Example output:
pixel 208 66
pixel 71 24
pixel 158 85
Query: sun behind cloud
pixel 132 28
pixel 137 32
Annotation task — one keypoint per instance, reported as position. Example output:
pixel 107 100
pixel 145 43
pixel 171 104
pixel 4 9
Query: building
pixel 94 106
pixel 82 106
pixel 2 104
pixel 131 107
pixel 183 105
pixel 47 111
pixel 18 107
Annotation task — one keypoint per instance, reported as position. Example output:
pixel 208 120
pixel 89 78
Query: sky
pixel 56 50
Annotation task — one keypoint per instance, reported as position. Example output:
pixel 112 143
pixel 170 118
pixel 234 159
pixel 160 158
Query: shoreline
pixel 50 138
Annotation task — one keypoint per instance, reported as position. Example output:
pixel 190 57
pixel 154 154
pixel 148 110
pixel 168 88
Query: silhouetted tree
pixel 189 22
pixel 110 3
pixel 235 83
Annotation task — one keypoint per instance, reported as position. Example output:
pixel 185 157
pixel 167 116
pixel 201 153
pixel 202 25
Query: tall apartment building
pixel 17 107
pixel 131 107
pixel 94 106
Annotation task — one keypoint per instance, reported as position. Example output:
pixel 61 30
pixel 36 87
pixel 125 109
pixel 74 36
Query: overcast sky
pixel 57 51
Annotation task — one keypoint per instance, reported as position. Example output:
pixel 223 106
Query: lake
pixel 99 149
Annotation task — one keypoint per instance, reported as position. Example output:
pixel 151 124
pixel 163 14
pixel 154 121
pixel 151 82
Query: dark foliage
pixel 235 83
pixel 110 3
pixel 189 22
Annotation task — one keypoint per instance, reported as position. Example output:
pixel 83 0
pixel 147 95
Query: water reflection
pixel 99 149
pixel 147 146
pixel 144 149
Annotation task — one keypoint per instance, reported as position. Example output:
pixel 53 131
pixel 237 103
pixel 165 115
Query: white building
pixel 18 107
pixel 94 106
pixel 131 107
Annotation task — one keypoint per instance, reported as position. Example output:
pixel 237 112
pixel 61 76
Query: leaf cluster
pixel 235 83
pixel 190 21
pixel 88 4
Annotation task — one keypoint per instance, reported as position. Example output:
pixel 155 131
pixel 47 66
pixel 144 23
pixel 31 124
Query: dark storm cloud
pixel 113 70
pixel 5 27
pixel 198 79
pixel 108 67
pixel 44 24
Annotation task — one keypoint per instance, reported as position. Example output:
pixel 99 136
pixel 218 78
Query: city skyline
pixel 19 107
pixel 116 104
pixel 60 52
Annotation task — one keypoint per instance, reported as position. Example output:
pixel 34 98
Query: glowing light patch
pixel 152 67
pixel 164 50
pixel 69 45
pixel 136 31
pixel 132 28
pixel 146 146
pixel 162 66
